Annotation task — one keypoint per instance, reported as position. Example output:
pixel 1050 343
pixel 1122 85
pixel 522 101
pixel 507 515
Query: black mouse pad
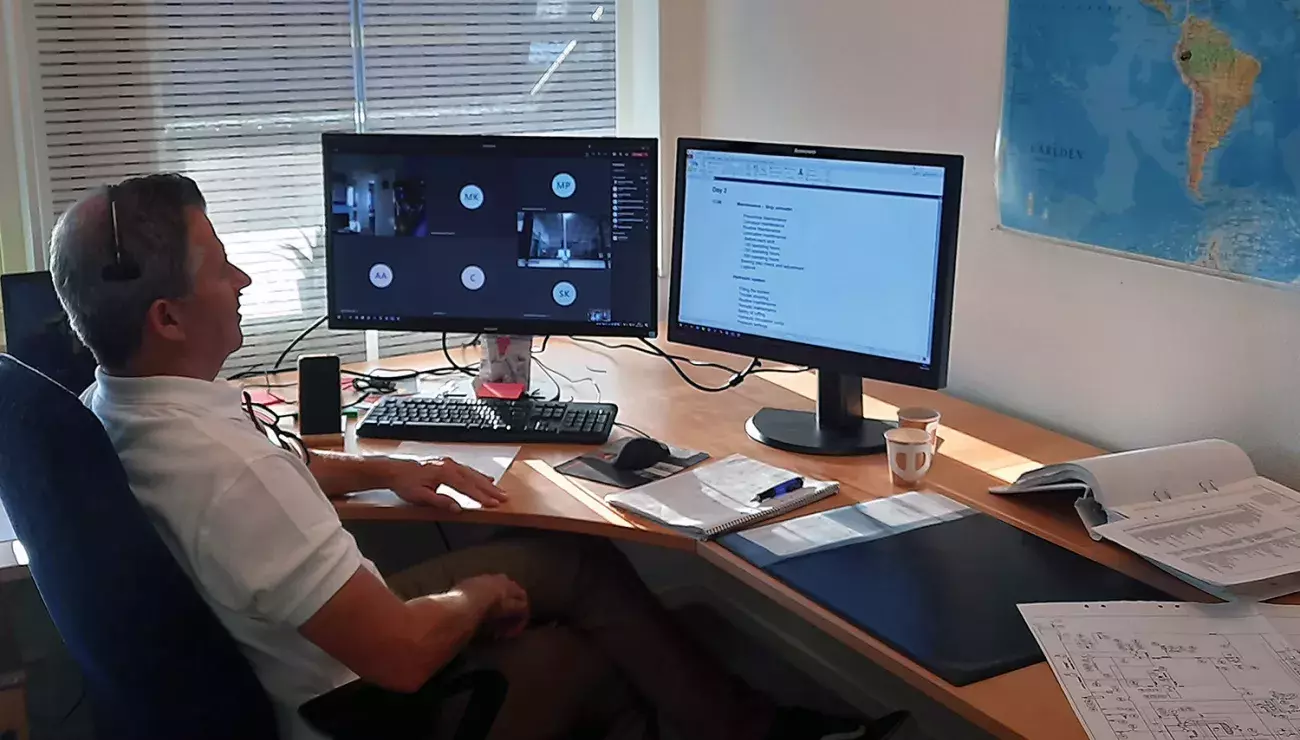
pixel 946 595
pixel 596 466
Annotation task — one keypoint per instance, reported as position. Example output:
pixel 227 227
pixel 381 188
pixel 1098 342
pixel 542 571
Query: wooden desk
pixel 981 448
pixel 540 497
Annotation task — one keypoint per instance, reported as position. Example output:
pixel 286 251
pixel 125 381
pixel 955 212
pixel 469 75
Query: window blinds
pixel 490 67
pixel 236 93
pixel 233 94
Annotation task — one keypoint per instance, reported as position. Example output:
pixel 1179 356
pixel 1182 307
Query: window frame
pixel 24 199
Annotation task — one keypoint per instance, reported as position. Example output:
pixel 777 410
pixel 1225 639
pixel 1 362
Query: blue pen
pixel 779 489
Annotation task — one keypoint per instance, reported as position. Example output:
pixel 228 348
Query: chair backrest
pixel 157 662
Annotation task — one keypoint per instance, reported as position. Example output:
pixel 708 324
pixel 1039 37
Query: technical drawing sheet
pixel 1167 671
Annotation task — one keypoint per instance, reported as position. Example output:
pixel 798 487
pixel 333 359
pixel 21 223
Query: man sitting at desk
pixel 149 289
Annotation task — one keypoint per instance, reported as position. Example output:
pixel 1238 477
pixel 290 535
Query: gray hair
pixel 109 314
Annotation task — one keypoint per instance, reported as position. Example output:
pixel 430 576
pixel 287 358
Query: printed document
pixel 1168 671
pixel 871 520
pixel 490 460
pixel 1245 533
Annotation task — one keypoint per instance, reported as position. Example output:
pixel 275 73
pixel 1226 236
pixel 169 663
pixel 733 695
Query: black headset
pixel 123 268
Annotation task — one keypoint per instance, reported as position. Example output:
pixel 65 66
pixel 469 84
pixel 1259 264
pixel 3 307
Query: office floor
pixel 56 706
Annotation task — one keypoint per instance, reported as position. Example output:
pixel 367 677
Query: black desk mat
pixel 945 595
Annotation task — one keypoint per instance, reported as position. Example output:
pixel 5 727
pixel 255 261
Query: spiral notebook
pixel 715 499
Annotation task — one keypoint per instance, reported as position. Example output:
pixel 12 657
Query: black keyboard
pixel 457 419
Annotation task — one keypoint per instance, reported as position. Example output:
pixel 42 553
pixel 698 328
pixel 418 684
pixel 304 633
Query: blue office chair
pixel 157 662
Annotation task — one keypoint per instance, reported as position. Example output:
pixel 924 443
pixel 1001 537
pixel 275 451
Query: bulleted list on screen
pixel 766 246
pixel 764 238
pixel 756 307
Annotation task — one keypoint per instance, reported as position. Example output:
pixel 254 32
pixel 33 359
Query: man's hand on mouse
pixel 417 482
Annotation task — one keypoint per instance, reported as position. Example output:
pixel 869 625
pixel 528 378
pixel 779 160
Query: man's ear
pixel 163 321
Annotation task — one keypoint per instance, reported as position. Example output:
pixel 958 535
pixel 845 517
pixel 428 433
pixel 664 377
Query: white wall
pixel 638 68
pixel 1114 351
pixel 683 55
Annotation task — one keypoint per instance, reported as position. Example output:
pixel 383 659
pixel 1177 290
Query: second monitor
pixel 838 259
pixel 492 234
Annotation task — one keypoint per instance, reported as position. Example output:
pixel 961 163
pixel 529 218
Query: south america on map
pixel 1167 129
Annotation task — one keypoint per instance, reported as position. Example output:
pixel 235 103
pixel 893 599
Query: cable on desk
pixel 778 370
pixel 277 367
pixel 366 385
pixel 632 429
pixel 386 375
pixel 383 382
pixel 353 404
pixel 301 336
pixel 658 353
pixel 266 383
pixel 380 374
pixel 277 399
pixel 391 376
pixel 472 372
pixel 736 377
pixel 253 372
pixel 547 370
pixel 287 440
pixel 552 372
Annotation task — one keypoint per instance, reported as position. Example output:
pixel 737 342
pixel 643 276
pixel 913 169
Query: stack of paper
pixel 1148 671
pixel 1240 542
pixel 722 497
pixel 490 460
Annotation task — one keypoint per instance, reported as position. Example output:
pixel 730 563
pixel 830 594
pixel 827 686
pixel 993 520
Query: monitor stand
pixel 835 428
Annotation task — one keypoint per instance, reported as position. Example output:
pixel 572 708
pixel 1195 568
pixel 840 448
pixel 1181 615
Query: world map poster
pixel 1167 129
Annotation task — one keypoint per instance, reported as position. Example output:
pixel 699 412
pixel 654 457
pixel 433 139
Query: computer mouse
pixel 639 453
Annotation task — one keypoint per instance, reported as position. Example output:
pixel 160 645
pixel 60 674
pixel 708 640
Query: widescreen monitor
pixel 523 235
pixel 839 259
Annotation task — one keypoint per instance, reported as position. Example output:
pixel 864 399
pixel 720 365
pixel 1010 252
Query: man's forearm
pixel 442 625
pixel 392 643
pixel 339 473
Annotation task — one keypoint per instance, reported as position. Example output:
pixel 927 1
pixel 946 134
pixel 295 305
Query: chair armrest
pixel 362 711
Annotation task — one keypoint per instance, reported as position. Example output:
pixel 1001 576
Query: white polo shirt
pixel 247 521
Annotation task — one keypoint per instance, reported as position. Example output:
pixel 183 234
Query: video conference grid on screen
pixel 552 235
pixel 830 253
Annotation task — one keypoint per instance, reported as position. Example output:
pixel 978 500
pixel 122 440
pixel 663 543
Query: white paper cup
pixel 918 417
pixel 911 453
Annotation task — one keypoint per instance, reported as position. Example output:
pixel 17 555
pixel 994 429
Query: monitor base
pixel 798 431
pixel 835 428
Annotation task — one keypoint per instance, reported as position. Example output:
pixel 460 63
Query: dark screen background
pixel 427 270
